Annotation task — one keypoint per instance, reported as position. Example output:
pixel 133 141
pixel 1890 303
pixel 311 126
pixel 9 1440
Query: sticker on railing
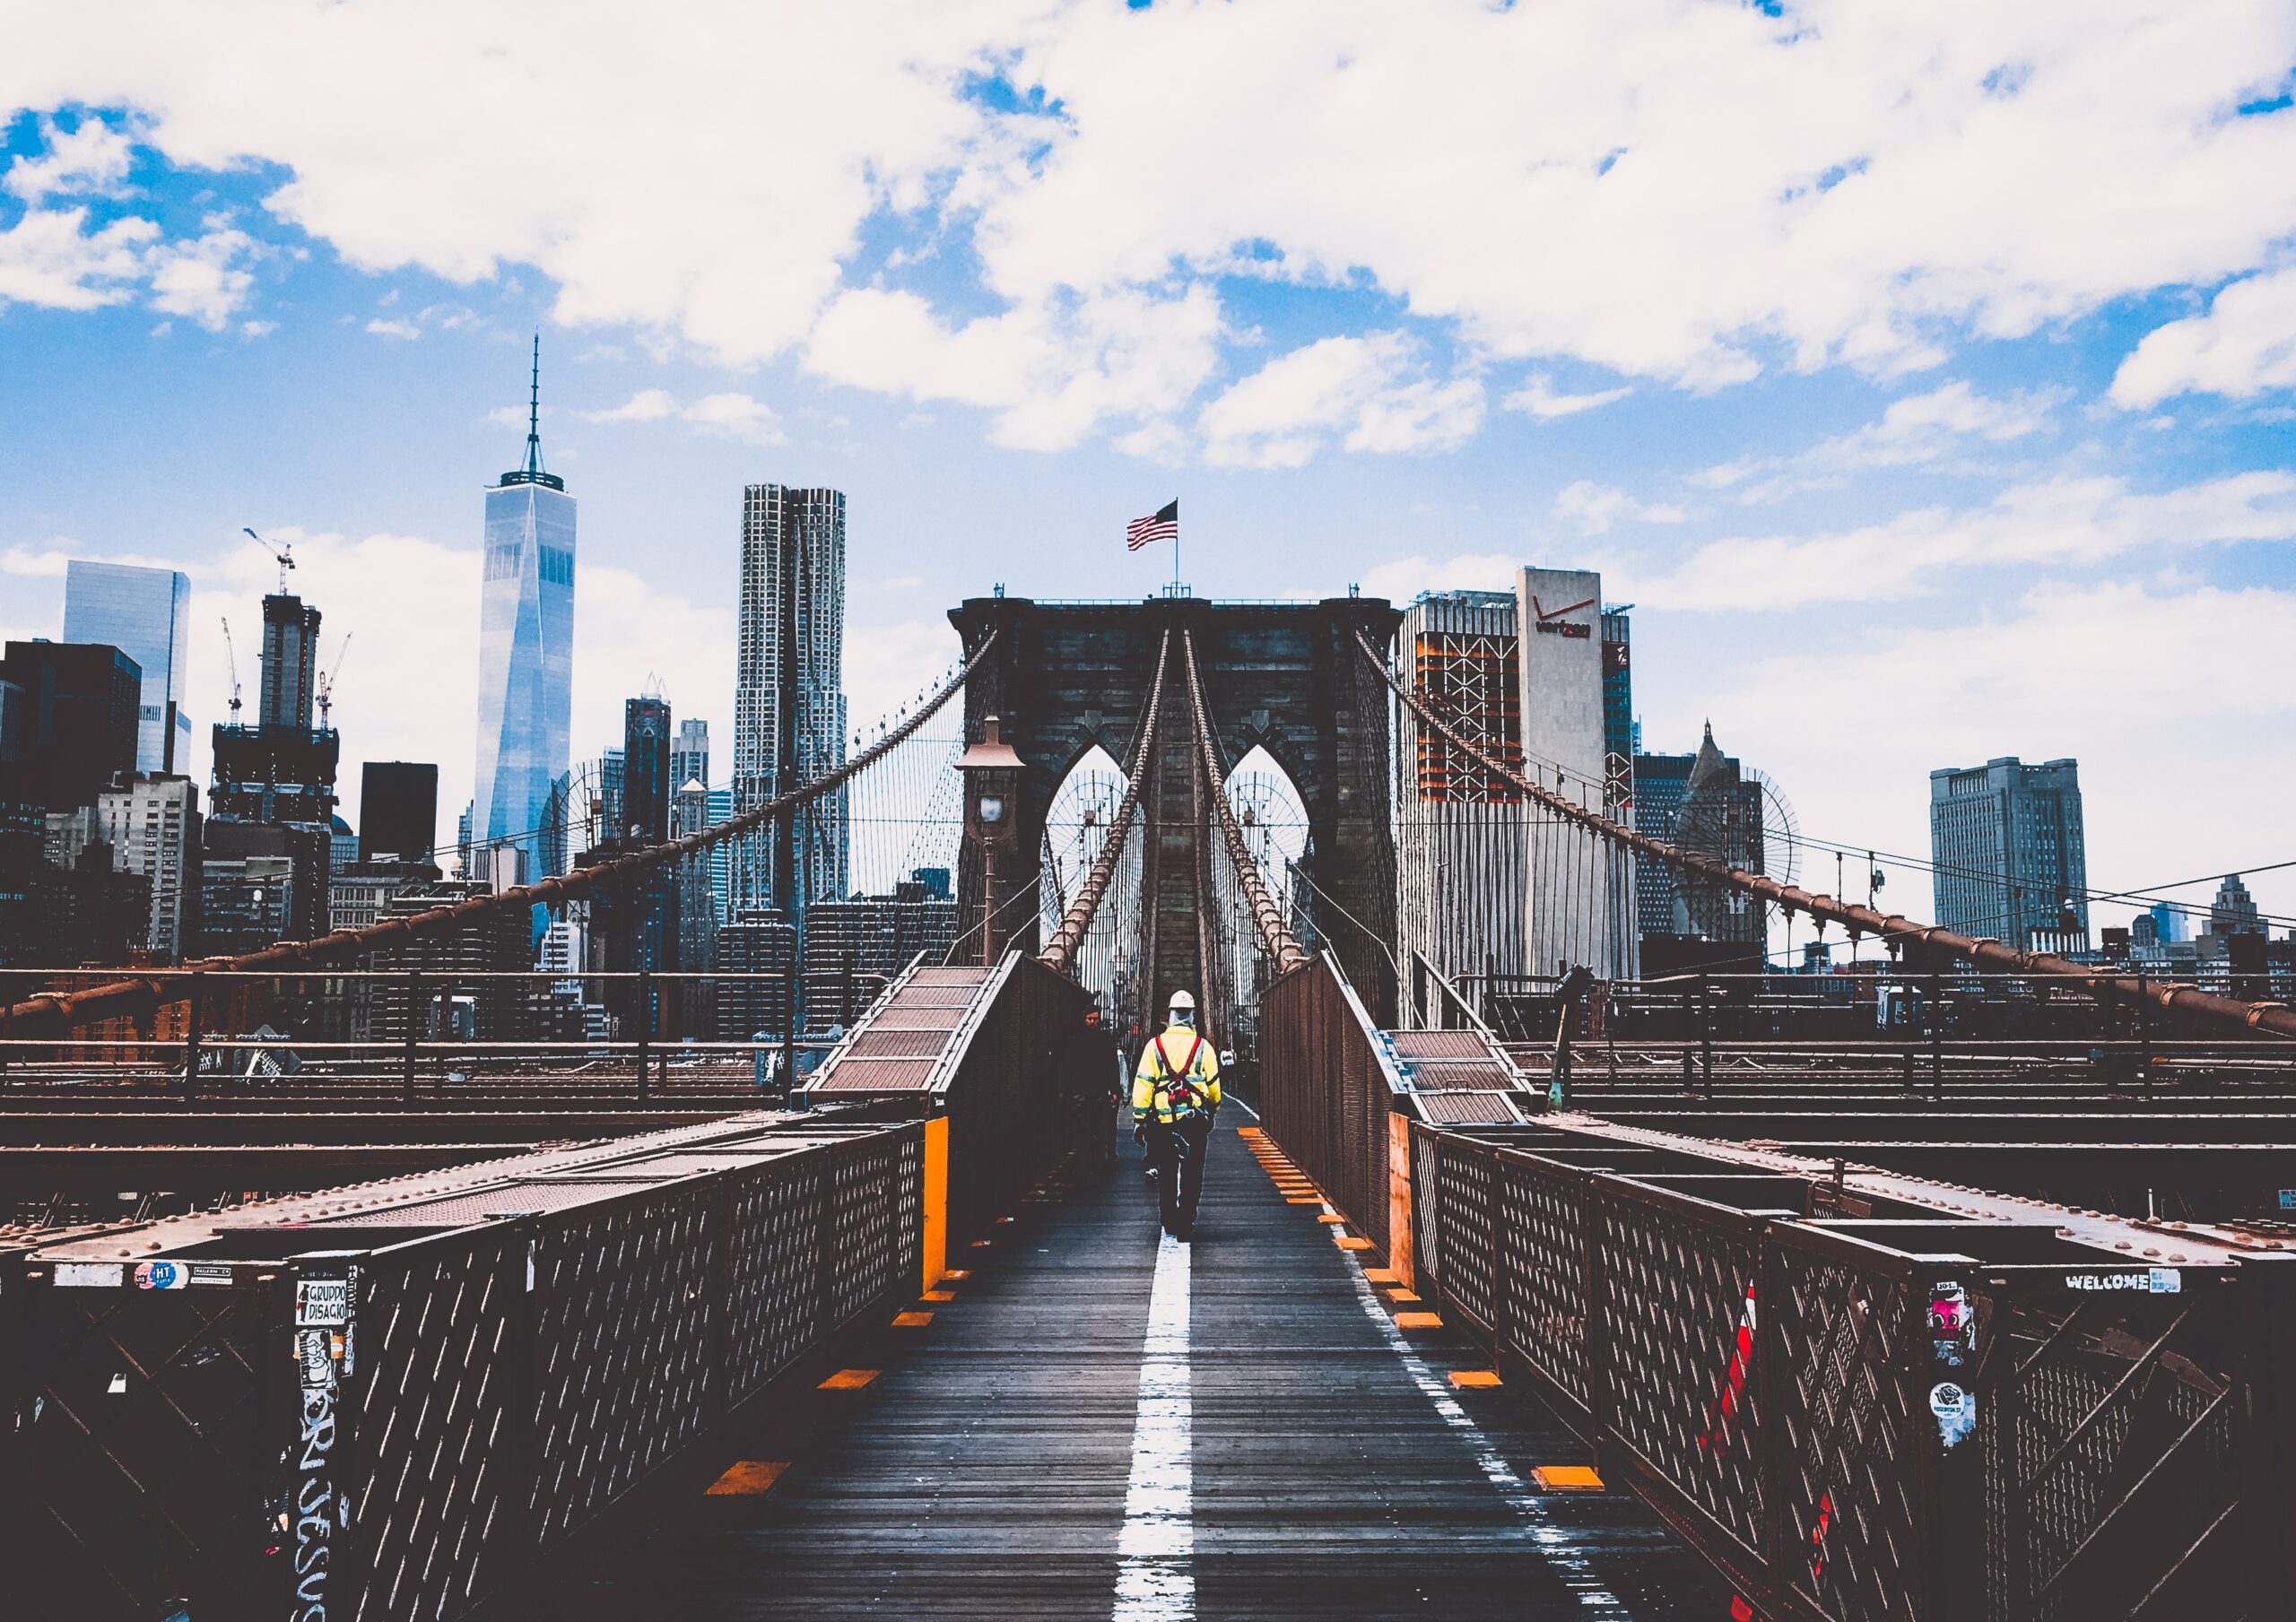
pixel 2154 1280
pixel 90 1275
pixel 1952 1330
pixel 160 1275
pixel 1955 1406
pixel 1734 1378
pixel 323 1302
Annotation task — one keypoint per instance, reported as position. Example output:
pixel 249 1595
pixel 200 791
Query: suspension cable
pixel 74 1008
pixel 1274 931
pixel 2274 1018
pixel 1060 951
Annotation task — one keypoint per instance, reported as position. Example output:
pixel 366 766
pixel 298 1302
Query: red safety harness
pixel 1181 1079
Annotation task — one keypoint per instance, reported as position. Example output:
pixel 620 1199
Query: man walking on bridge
pixel 1175 1096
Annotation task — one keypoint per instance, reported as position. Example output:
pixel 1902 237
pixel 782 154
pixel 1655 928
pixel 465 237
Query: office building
pixel 526 650
pixel 273 792
pixel 146 614
pixel 153 825
pixel 79 721
pixel 789 719
pixel 853 948
pixel 1580 903
pixel 720 803
pixel 646 780
pixel 612 818
pixel 1660 781
pixel 2011 866
pixel 754 962
pixel 248 902
pixel 690 754
pixel 2233 911
pixel 1462 870
pixel 696 881
pixel 462 990
pixel 398 810
pixel 1720 817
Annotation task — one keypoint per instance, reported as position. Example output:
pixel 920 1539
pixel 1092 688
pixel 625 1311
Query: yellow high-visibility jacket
pixel 1165 1056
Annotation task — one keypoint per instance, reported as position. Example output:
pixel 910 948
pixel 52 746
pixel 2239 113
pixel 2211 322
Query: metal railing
pixel 1904 1417
pixel 380 1408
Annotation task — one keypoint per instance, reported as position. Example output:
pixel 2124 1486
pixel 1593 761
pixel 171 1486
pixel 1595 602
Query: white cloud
pixel 198 277
pixel 2245 344
pixel 51 258
pixel 401 330
pixel 1539 397
pixel 1912 429
pixel 1684 192
pixel 1368 390
pixel 737 417
pixel 93 159
pixel 1595 507
pixel 2061 523
pixel 647 405
pixel 1053 371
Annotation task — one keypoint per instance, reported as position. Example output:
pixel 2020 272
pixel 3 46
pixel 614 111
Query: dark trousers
pixel 1176 1152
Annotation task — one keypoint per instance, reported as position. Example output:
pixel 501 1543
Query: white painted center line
pixel 1155 1580
pixel 1569 1562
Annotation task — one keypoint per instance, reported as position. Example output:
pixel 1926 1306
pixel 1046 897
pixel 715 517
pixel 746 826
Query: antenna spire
pixel 533 412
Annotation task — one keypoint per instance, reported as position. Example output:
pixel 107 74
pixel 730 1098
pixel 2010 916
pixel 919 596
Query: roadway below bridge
pixel 1097 1421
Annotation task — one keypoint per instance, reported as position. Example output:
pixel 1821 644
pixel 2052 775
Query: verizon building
pixel 1579 909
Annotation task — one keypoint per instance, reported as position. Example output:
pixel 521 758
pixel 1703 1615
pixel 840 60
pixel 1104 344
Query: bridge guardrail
pixel 1326 1088
pixel 387 1412
pixel 1771 1384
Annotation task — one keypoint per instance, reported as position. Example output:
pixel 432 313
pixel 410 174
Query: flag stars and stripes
pixel 1162 525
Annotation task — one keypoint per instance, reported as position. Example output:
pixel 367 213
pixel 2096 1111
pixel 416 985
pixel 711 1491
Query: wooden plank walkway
pixel 1294 1454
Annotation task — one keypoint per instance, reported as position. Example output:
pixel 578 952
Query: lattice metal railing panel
pixel 623 1334
pixel 1846 1338
pixel 773 1270
pixel 1678 1303
pixel 1427 1151
pixel 1542 1212
pixel 434 1403
pixel 143 1446
pixel 874 1220
pixel 1464 1192
pixel 2120 1447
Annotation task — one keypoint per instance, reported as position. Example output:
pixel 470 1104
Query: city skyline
pixel 1964 438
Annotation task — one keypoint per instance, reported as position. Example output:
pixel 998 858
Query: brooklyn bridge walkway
pixel 1096 1421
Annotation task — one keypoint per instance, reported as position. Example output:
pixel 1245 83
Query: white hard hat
pixel 1180 999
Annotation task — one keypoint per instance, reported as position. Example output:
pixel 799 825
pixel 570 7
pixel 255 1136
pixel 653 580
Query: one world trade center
pixel 525 665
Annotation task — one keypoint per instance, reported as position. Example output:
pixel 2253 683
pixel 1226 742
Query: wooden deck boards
pixel 983 1473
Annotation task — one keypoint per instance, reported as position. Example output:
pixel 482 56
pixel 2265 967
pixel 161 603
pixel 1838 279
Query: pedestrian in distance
pixel 1175 1100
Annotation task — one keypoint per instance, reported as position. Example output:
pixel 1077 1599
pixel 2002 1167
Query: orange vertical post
pixel 935 1246
pixel 1399 1199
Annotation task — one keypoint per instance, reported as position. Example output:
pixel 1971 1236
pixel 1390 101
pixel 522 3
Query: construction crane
pixel 283 552
pixel 232 658
pixel 326 682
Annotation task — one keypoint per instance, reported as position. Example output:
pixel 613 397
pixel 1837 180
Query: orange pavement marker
pixel 955 1275
pixel 1347 1242
pixel 1400 1295
pixel 1303 1200
pixel 938 1295
pixel 1474 1379
pixel 1330 1216
pixel 1380 1275
pixel 911 1319
pixel 749 1477
pixel 1418 1321
pixel 848 1379
pixel 1568 1478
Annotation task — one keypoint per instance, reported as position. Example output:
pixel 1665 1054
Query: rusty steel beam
pixel 1060 951
pixel 44 1170
pixel 47 1011
pixel 1276 933
pixel 2274 1019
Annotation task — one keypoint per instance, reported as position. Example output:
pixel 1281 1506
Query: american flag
pixel 1162 525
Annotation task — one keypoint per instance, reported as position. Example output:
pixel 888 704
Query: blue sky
pixel 1926 380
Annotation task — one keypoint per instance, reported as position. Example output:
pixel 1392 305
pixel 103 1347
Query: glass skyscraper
pixel 146 614
pixel 526 653
pixel 789 694
pixel 2010 856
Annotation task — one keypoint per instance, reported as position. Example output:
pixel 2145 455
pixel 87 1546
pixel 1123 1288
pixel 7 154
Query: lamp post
pixel 992 779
